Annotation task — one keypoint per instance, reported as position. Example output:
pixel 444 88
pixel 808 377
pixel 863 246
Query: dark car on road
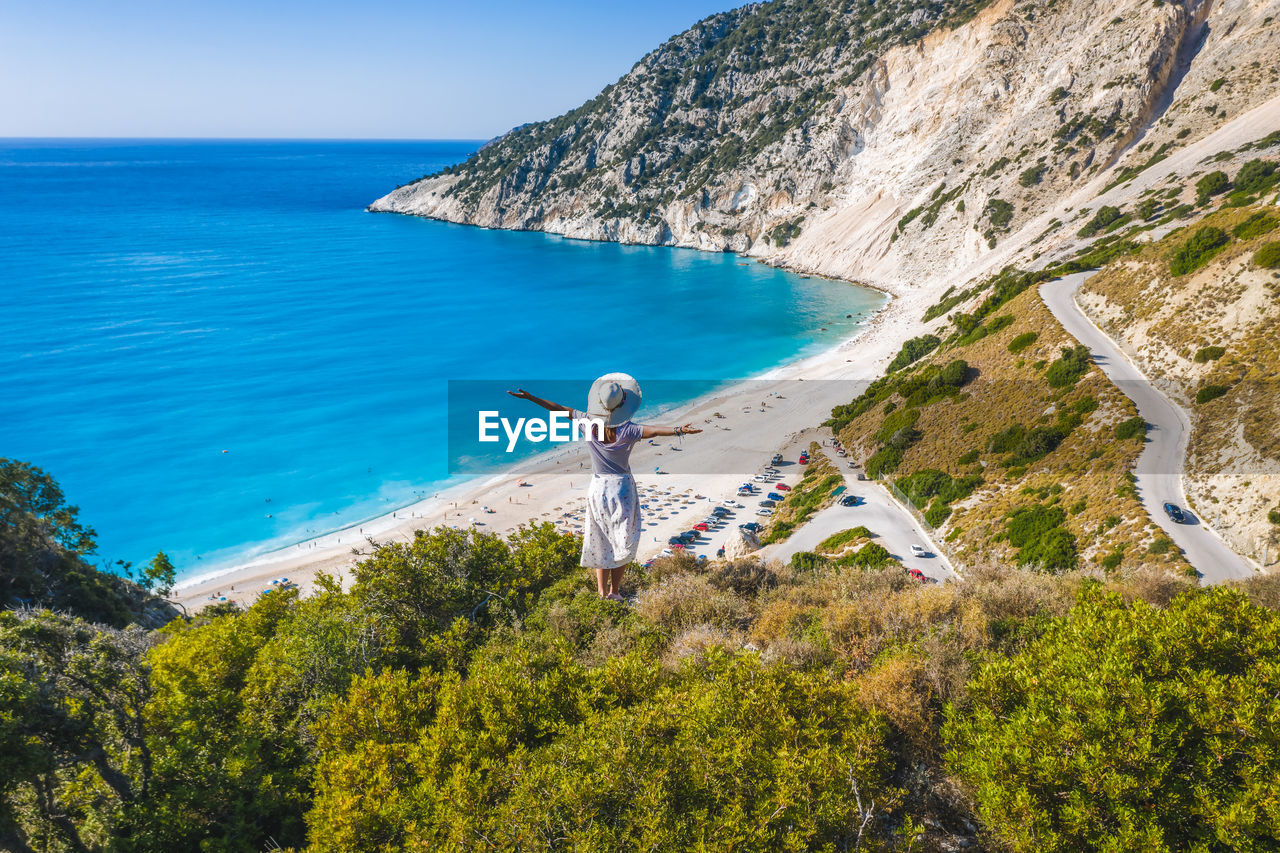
pixel 849 500
pixel 750 525
pixel 1175 514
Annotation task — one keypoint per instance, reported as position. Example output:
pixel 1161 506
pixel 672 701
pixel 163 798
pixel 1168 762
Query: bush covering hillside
pixel 468 692
pixel 45 551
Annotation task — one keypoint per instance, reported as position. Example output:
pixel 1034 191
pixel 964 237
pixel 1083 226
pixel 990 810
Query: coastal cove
pixel 218 352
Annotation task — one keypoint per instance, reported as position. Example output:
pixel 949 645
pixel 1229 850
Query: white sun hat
pixel 614 397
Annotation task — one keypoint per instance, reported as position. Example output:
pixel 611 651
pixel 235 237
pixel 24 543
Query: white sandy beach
pixel 756 418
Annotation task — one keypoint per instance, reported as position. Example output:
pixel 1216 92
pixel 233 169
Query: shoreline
pixel 708 470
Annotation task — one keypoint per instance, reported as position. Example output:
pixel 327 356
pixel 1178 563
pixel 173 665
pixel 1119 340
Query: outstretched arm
pixel 521 394
pixel 655 431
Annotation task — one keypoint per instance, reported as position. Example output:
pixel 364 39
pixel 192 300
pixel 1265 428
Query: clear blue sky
pixel 283 68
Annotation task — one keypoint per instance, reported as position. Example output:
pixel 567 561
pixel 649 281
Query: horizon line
pixel 247 138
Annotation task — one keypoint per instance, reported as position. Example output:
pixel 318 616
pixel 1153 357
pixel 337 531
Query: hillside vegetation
pixel 44 558
pixel 468 692
pixel 1012 444
pixel 1208 332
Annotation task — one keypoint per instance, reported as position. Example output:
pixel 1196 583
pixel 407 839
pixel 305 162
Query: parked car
pixel 750 525
pixel 918 575
pixel 776 460
pixel 768 503
pixel 774 496
pixel 764 511
pixel 675 540
pixel 782 487
pixel 918 551
pixel 701 525
pixel 849 500
pixel 761 478
pixel 720 511
pixel 720 551
pixel 1175 514
pixel 666 552
pixel 689 536
pixel 771 470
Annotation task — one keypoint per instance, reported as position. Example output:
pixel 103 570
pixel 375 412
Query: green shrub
pixel 883 461
pixel 1134 427
pixel 1037 443
pixel 1105 216
pixel 1063 747
pixel 1006 439
pixel 836 541
pixel 1068 369
pixel 1210 392
pixel 1212 353
pixel 807 561
pixel 1274 516
pixel 999 212
pixel 1199 250
pixel 914 350
pixel 937 513
pixel 873 555
pixel 1255 226
pixel 1210 185
pixel 1160 545
pixel 1268 257
pixel 969 457
pixel 1031 176
pixel 930 483
pixel 1041 541
pixel 1256 176
pixel 895 424
pixel 1113 560
pixel 1217 84
pixel 1022 341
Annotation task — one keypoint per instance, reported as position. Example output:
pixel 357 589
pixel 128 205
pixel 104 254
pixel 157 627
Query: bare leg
pixel 615 581
pixel 602 581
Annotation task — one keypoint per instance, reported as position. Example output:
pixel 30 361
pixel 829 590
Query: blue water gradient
pixel 165 301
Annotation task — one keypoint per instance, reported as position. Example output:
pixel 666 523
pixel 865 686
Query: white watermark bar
pixel 489 429
pixel 556 428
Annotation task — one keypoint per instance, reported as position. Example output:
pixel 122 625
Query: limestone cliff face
pixel 892 144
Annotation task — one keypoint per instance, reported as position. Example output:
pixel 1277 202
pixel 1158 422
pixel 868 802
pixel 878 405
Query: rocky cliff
pixel 896 144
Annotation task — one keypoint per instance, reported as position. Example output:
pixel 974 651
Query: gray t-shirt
pixel 612 458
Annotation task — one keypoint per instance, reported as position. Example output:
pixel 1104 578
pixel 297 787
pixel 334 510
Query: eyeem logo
pixel 559 427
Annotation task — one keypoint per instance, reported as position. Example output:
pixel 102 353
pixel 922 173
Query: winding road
pixel 1159 469
pixel 895 528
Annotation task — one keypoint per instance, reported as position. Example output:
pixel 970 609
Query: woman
pixel 612 532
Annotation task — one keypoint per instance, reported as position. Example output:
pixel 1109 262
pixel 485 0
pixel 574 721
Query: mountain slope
pixel 894 145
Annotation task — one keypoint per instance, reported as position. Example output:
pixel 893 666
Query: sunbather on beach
pixel 612 531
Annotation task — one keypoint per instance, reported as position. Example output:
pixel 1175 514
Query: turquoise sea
pixel 216 350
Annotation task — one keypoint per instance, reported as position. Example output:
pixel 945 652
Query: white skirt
pixel 612 533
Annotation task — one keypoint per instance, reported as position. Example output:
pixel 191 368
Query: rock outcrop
pixel 891 144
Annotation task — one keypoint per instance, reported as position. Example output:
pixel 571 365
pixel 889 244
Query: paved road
pixel 1159 470
pixel 897 530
